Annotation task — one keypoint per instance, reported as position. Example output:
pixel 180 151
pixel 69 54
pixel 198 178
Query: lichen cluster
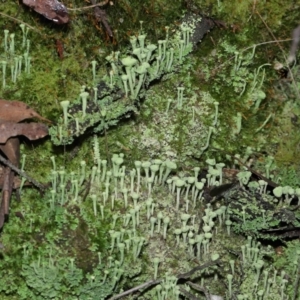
pixel 15 58
pixel 118 93
pixel 147 202
pixel 146 217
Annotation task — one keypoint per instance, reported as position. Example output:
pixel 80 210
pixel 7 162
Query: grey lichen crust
pixel 174 132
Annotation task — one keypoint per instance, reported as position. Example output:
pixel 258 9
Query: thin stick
pixel 273 36
pixel 269 42
pixel 250 47
pixel 17 20
pixel 91 6
pixel 22 173
pixel 283 53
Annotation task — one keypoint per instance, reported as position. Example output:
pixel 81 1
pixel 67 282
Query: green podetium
pixel 84 96
pixel 156 262
pixel 125 79
pixel 94 63
pixel 166 222
pixel 150 49
pixel 180 96
pixel 12 44
pixel 12 57
pixel 210 131
pixel 6 32
pixel 179 184
pixel 229 278
pixel 141 39
pixel 141 70
pixel 64 105
pixel 132 41
pixel 129 62
pixel 4 64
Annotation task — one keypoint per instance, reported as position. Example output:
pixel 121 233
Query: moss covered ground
pixel 61 246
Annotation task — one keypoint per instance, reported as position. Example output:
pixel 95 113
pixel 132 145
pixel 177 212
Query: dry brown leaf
pixel 17 180
pixel 12 112
pixel 50 9
pixel 32 131
pixel 11 150
pixel 16 111
pixel 8 179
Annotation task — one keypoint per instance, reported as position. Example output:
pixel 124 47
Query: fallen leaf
pixel 17 180
pixel 16 111
pixel 32 131
pixel 12 112
pixel 50 9
pixel 11 150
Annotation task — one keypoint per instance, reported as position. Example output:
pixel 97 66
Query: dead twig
pixel 22 173
pixel 283 53
pixel 265 43
pixel 188 294
pixel 198 268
